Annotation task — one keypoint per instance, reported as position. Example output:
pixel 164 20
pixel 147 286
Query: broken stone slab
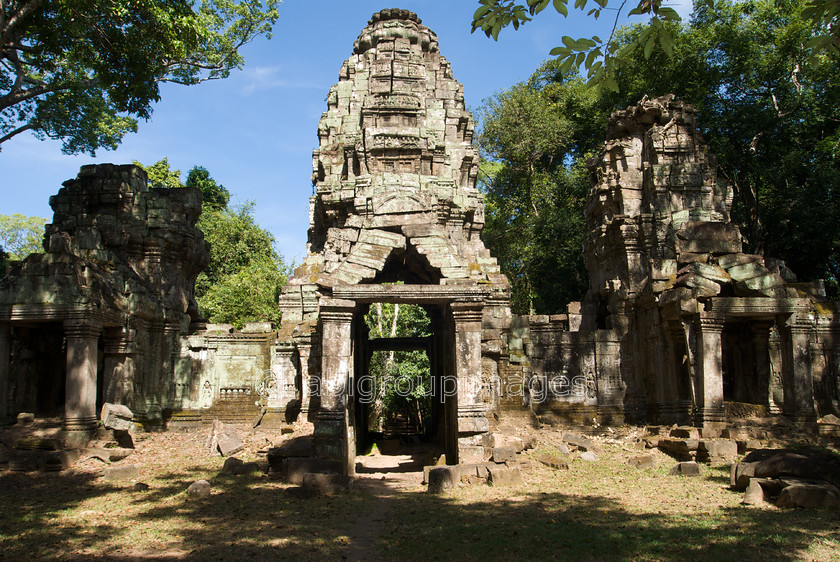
pixel 709 271
pixel 588 456
pixel 582 443
pixel 325 483
pixel 684 432
pixel 740 475
pixel 505 476
pixel 223 439
pixel 25 418
pixel 748 270
pixel 730 260
pixel 717 450
pixel 812 464
pixel 810 496
pixel 552 461
pixel 701 286
pixel 199 490
pixel 755 494
pixel 116 416
pixel 642 461
pixel 442 478
pixel 689 468
pixel 121 472
pixel 683 449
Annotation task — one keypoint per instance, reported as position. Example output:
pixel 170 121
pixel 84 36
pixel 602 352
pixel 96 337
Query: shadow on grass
pixel 252 517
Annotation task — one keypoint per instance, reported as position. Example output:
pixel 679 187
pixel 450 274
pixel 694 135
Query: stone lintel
pixel 756 306
pixel 411 294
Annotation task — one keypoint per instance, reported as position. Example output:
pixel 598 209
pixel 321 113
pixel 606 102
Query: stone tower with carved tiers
pixel 395 202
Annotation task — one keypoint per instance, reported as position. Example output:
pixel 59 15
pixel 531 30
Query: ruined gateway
pixel 679 325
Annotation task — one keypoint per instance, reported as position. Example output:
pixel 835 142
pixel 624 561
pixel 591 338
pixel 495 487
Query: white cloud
pixel 260 78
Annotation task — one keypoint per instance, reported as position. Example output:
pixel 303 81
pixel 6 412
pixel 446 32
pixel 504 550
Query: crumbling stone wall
pixel 691 321
pixel 117 278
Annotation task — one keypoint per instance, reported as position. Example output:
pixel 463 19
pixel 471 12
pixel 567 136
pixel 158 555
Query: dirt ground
pixel 593 510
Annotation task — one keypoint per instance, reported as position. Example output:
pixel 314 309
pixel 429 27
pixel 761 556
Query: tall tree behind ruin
pixel 772 120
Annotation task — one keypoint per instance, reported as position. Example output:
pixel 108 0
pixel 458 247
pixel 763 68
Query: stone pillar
pixel 80 395
pixel 761 352
pixel 796 373
pixel 118 375
pixel 709 370
pixel 472 412
pixel 5 350
pixel 672 408
pixel 304 350
pixel 282 391
pixel 334 438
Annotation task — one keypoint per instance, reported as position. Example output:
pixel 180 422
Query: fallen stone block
pixel 503 454
pixel 442 478
pixel 505 476
pixel 810 496
pixel 223 440
pixel 293 469
pixel 588 456
pixel 717 450
pixel 553 461
pixel 740 475
pixel 684 433
pixel 116 416
pixel 583 443
pixel 122 472
pixel 25 418
pixel 690 468
pixel 682 449
pixel 199 490
pixel 754 494
pixel 642 461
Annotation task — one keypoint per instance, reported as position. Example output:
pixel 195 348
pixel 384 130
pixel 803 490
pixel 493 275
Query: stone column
pixel 80 396
pixel 334 439
pixel 304 350
pixel 761 352
pixel 472 412
pixel 283 390
pixel 5 350
pixel 709 370
pixel 796 373
pixel 674 403
pixel 118 375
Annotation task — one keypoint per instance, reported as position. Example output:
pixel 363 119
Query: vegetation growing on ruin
pixel 243 280
pixel 772 119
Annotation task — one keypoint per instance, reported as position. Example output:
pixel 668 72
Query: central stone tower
pixel 395 202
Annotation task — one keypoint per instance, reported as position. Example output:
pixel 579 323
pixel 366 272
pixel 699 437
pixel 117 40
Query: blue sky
pixel 256 130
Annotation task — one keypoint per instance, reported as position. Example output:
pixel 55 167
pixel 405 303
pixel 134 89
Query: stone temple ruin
pixel 678 326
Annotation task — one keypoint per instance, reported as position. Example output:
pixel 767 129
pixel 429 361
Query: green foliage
pixel 21 235
pixel 242 283
pixel 534 197
pixel 214 195
pixel 603 59
pixel 772 119
pixel 84 70
pixel 401 379
pixel 161 176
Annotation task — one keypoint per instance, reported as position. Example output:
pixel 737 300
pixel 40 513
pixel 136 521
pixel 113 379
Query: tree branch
pixel 19 130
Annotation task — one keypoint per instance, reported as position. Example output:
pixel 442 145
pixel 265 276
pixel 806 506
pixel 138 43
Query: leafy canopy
pixel 21 235
pixel 602 58
pixel 84 70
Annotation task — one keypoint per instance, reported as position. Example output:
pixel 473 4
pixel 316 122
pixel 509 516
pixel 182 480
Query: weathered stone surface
pixel 810 496
pixel 505 476
pixel 716 450
pixel 689 468
pixel 442 478
pixel 25 418
pixel 553 461
pixel 121 472
pixel 200 489
pixel 116 416
pixel 582 443
pixel 588 456
pixel 503 454
pixel 223 439
pixel 685 433
pixel 806 463
pixel 642 461
pixel 293 469
pixel 754 494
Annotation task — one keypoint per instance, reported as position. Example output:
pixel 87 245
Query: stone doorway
pixel 401 394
